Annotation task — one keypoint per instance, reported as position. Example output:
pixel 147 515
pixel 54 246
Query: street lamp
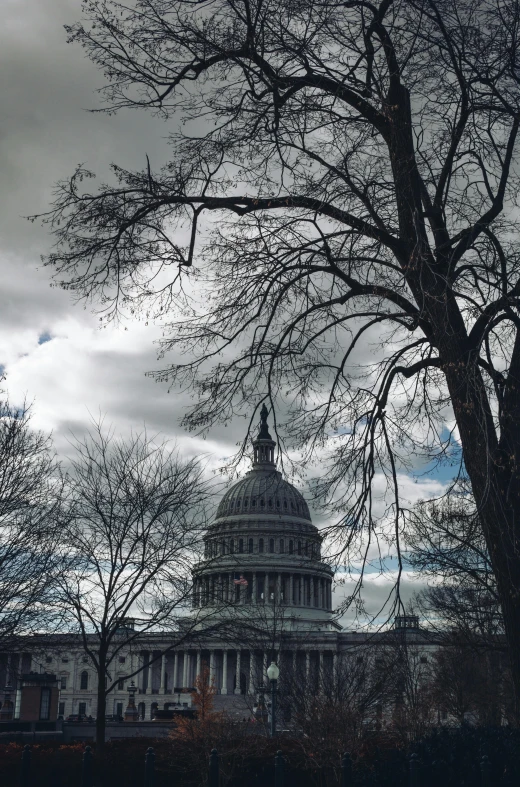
pixel 131 712
pixel 273 673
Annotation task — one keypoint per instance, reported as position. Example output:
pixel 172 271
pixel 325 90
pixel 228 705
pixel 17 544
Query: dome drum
pixel 264 543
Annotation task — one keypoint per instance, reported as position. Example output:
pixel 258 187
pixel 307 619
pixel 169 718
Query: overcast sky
pixel 52 349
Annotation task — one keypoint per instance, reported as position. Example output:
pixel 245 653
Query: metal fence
pixel 346 771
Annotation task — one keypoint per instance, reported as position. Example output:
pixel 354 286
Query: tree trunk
pixel 491 465
pixel 100 716
pixel 496 489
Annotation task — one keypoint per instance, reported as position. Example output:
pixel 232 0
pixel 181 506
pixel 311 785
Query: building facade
pixel 262 592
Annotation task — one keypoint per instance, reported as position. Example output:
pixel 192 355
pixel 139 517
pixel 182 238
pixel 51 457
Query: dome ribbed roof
pixel 263 491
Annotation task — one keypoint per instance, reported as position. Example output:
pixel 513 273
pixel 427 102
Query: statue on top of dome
pixel 263 434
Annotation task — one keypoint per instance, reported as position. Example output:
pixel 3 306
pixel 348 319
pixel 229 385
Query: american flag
pixel 241 581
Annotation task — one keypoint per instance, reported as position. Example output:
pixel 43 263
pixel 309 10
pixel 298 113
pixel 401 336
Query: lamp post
pixel 131 712
pixel 273 673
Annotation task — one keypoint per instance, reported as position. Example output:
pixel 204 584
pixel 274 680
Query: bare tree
pixel 469 685
pixel 408 672
pixel 447 545
pixel 30 495
pixel 131 529
pixel 347 172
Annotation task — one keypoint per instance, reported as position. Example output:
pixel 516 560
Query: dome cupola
pixel 264 444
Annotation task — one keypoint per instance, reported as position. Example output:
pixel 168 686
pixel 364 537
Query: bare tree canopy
pixel 446 545
pixel 130 532
pixel 346 171
pixel 30 495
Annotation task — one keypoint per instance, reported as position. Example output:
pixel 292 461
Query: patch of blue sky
pixel 447 467
pixel 44 337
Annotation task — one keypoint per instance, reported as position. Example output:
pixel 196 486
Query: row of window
pixel 273 546
pixel 84 659
pixel 84 682
pixel 276 504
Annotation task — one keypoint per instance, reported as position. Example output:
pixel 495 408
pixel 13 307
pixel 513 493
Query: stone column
pixel 254 593
pixel 335 667
pixel 175 670
pixel 251 672
pixel 320 674
pixel 139 677
pixel 185 670
pixel 278 589
pixel 198 664
pixel 150 669
pixel 291 589
pixel 294 654
pixel 212 668
pixel 311 582
pixel 237 690
pixel 224 690
pixel 162 687
pixel 264 667
pixel 307 665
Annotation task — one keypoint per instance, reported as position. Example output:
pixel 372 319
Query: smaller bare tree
pixel 132 529
pixel 30 494
pixel 446 545
pixel 408 671
pixel 470 685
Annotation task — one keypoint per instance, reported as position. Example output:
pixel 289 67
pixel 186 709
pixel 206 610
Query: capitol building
pixel 262 592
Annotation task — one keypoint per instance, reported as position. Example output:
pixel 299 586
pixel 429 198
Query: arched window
pixel 282 546
pixel 238 504
pixel 261 545
pixel 285 503
pixel 299 547
pixel 253 502
pixel 262 502
pixel 270 502
pixel 277 503
pixel 251 545
pixel 291 546
pixel 223 549
pixel 231 546
pixel 271 545
pixel 306 549
pixel 240 545
pixel 246 499
pixel 84 680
